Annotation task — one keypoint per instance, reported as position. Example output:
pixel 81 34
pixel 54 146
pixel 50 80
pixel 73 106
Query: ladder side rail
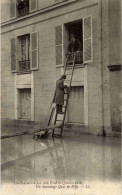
pixel 68 92
pixel 65 64
pixel 51 116
pixel 54 123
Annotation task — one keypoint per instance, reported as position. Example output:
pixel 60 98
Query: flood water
pixel 79 157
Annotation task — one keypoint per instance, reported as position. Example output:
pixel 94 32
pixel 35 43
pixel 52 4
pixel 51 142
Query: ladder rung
pixel 57 135
pixel 59 120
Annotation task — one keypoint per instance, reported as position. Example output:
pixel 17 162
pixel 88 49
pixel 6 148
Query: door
pixel 25 104
pixel 76 105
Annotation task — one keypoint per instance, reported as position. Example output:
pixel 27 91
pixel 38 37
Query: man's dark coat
pixel 59 92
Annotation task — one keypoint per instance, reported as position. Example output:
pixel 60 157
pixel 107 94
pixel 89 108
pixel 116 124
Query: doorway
pixel 76 105
pixel 25 103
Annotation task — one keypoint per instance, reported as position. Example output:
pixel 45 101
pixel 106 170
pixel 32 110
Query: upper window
pixel 74 39
pixel 20 8
pixel 24 53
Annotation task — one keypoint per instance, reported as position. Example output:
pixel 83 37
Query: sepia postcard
pixel 61 97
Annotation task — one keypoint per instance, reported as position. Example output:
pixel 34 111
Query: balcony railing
pixel 24 66
pixel 78 58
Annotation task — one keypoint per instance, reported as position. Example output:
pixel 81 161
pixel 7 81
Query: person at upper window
pixel 74 44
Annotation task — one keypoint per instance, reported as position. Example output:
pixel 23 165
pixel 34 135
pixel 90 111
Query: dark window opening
pixel 77 31
pixel 22 7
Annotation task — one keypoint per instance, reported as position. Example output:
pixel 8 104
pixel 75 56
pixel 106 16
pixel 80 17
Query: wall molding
pixel 116 67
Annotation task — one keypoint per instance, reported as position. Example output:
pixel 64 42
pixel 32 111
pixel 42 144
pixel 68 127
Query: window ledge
pixel 76 66
pixel 70 66
pixel 115 67
pixel 22 72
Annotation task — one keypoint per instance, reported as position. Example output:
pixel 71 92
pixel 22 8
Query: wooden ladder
pixel 72 65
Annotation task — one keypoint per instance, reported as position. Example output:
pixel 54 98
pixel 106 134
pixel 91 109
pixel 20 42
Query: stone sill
pixel 116 67
pixel 70 67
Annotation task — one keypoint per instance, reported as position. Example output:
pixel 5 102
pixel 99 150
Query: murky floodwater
pixel 78 157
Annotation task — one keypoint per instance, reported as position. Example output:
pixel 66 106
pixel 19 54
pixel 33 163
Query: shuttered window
pixel 13 55
pixel 34 50
pixel 87 40
pixel 33 5
pixel 58 35
pixel 12 9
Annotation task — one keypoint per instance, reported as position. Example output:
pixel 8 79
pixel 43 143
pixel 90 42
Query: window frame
pixel 91 37
pixel 14 2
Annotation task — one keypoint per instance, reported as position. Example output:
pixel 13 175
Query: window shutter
pixel 34 50
pixel 33 5
pixel 87 40
pixel 12 9
pixel 58 34
pixel 13 55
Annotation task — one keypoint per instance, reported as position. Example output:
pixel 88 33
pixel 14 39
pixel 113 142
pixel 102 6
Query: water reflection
pixel 79 157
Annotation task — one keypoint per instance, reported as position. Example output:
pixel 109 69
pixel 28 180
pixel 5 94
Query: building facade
pixel 35 37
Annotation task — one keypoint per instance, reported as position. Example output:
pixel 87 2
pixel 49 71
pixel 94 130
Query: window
pixel 24 106
pixel 24 53
pixel 20 8
pixel 82 31
pixel 76 30
pixel 75 112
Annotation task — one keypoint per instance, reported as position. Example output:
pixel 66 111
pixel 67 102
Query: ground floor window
pixel 75 112
pixel 24 104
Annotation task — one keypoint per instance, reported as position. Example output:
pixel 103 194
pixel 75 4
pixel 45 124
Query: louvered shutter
pixel 58 35
pixel 87 40
pixel 12 9
pixel 34 50
pixel 33 5
pixel 13 55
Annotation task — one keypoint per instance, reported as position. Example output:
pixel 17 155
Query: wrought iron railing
pixel 24 66
pixel 78 57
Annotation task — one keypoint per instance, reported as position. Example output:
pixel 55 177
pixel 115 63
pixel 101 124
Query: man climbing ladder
pixel 59 104
pixel 59 94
